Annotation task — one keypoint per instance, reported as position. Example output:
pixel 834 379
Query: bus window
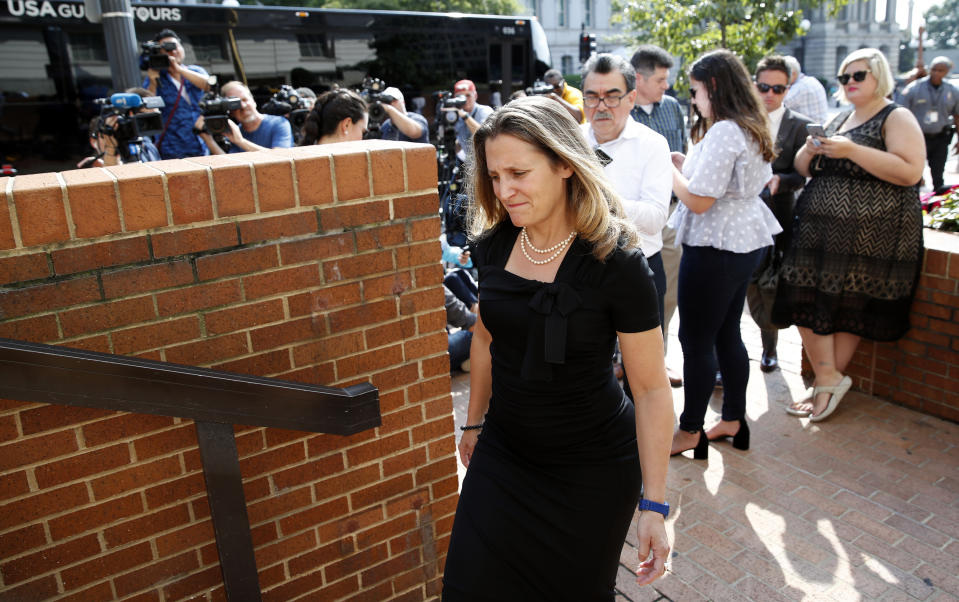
pixel 208 47
pixel 24 57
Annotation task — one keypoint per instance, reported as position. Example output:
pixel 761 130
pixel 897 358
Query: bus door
pixel 508 65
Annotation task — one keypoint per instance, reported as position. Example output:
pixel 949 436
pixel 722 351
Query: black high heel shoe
pixel 701 451
pixel 741 438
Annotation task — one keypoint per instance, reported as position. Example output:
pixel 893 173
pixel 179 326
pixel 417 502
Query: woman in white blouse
pixel 724 228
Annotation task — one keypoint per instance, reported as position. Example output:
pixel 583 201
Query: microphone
pixel 131 101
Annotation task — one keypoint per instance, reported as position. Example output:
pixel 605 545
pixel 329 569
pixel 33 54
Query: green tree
pixel 942 24
pixel 486 7
pixel 688 28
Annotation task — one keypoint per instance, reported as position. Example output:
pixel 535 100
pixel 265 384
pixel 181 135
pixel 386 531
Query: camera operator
pixel 307 97
pixel 256 130
pixel 106 148
pixel 181 87
pixel 403 125
pixel 470 117
pixel 565 94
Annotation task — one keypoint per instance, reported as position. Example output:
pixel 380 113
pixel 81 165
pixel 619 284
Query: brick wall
pixel 921 370
pixel 319 265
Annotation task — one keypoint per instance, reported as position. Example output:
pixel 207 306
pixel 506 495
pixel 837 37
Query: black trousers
pixel 937 150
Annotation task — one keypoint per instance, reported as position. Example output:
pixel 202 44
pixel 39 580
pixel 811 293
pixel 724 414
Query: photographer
pixel 566 95
pixel 181 87
pixel 470 117
pixel 402 125
pixel 256 130
pixel 109 150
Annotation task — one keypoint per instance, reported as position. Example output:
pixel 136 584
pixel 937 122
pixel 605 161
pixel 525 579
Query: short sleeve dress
pixel 856 250
pixel 554 479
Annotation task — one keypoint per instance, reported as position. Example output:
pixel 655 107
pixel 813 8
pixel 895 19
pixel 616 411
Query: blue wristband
pixel 655 507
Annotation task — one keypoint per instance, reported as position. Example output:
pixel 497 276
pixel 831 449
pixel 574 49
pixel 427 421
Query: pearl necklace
pixel 556 249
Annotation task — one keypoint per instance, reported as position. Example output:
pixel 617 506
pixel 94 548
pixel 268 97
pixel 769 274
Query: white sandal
pixel 837 391
pixel 793 411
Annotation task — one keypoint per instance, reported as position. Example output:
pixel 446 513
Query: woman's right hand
pixel 466 446
pixel 678 160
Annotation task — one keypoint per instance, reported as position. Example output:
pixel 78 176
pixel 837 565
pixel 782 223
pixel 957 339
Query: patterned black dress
pixel 857 247
pixel 554 478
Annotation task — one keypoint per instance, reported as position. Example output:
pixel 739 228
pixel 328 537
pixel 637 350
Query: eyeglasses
pixel 777 89
pixel 857 76
pixel 609 100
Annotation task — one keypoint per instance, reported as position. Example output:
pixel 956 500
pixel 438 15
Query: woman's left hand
pixel 837 147
pixel 653 547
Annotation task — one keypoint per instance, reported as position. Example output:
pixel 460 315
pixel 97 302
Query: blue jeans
pixel 712 290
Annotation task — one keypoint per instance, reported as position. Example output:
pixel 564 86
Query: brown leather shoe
pixel 675 378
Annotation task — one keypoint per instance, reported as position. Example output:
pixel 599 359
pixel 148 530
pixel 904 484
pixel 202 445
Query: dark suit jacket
pixel 791 138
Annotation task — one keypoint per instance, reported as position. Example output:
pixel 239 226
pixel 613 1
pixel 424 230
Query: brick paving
pixel 863 506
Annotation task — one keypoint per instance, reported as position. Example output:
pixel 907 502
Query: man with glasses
pixel 788 129
pixel 637 160
pixel 935 103
pixel 565 94
pixel 805 95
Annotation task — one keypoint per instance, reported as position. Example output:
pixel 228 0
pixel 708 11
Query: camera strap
pixel 179 95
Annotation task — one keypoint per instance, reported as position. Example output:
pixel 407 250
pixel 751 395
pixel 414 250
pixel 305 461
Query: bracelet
pixel 654 506
pixel 471 427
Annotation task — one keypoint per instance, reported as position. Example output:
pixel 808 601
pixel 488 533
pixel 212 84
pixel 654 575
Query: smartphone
pixel 815 130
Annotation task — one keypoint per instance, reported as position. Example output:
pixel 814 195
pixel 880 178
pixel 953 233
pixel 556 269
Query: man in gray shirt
pixel 935 103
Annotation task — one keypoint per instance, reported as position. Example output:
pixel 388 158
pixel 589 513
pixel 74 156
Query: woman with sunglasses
pixel 725 228
pixel 852 266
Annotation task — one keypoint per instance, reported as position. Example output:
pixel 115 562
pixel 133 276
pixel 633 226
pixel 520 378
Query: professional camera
pixel 375 97
pixel 154 57
pixel 287 103
pixel 128 130
pixel 449 170
pixel 448 103
pixel 216 111
pixel 539 88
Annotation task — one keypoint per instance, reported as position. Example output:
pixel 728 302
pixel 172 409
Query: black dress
pixel 554 479
pixel 856 247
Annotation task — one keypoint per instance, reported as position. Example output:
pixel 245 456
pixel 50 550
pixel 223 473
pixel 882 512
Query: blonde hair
pixel 597 211
pixel 878 66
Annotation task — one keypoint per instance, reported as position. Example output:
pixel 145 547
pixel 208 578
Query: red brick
pixel 435 471
pixel 281 281
pixel 188 537
pixel 264 364
pixel 46 297
pixel 391 332
pixel 41 504
pixel 322 374
pixel 106 315
pixel 354 215
pixel 241 261
pixel 94 517
pixel 316 514
pixel 425 229
pixel 953 267
pixel 381 491
pixel 357 266
pixel 423 253
pixel 393 400
pixel 328 348
pixel 298 586
pixel 428 275
pixel 394 378
pixel 13 484
pixel 215 349
pixel 126 282
pixel 145 526
pixel 234 190
pixel 346 482
pixel 194 240
pixel 243 317
pixel 420 168
pixel 316 248
pixel 274 180
pixel 279 504
pixel 93 202
pixel 106 254
pixel 944 327
pixel 381 447
pixel 23 267
pixel 433 321
pixel 321 300
pixel 35 449
pixel 371 361
pixel 39 329
pixel 936 262
pixel 936 283
pixel 202 296
pixel 278 227
pixel 142 196
pixel 356 563
pixel 8 428
pixel 122 426
pixel 41 213
pixel 314 180
pixel 286 332
pixel 100 591
pixel 351 523
pixel 29 566
pixel 6 227
pixel 188 587
pixel 22 540
pixel 155 573
pixel 188 187
pixel 416 206
pixel 404 462
pixel 159 334
pixel 381 237
pixel 82 465
pixel 44 588
pixel 272 460
pixel 183 488
pixel 285 548
pixel 313 471
pixel 946 299
pixel 166 442
pixel 423 300
pixel 386 286
pixel 425 345
pixel 352 176
pixel 387 168
pixel 136 477
pixel 428 389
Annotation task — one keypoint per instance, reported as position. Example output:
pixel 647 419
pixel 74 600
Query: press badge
pixel 932 116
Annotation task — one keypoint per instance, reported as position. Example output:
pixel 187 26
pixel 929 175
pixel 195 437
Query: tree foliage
pixel 486 7
pixel 688 28
pixel 942 24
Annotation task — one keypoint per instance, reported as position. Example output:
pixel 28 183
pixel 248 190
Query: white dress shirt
pixel 641 173
pixel 775 121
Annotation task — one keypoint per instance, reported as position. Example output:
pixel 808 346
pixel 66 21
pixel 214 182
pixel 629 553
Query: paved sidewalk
pixel 863 506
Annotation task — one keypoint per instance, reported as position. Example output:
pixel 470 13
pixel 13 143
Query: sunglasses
pixel 857 76
pixel 777 89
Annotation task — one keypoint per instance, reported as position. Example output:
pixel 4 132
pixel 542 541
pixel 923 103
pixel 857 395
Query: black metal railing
pixel 215 400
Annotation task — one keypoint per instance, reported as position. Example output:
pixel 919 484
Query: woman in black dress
pixel 554 467
pixel 856 250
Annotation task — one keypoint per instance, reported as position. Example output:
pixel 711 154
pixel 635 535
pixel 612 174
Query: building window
pixel 841 52
pixel 208 47
pixel 588 13
pixel 88 47
pixel 314 45
pixel 567 64
pixel 562 18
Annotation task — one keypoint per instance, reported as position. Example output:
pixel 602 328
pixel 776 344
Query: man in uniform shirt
pixel 935 103
pixel 403 125
pixel 565 94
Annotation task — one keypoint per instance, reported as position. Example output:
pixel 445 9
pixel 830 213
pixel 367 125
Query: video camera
pixel 287 103
pixel 447 105
pixel 128 130
pixel 154 57
pixel 216 111
pixel 375 97
pixel 539 88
